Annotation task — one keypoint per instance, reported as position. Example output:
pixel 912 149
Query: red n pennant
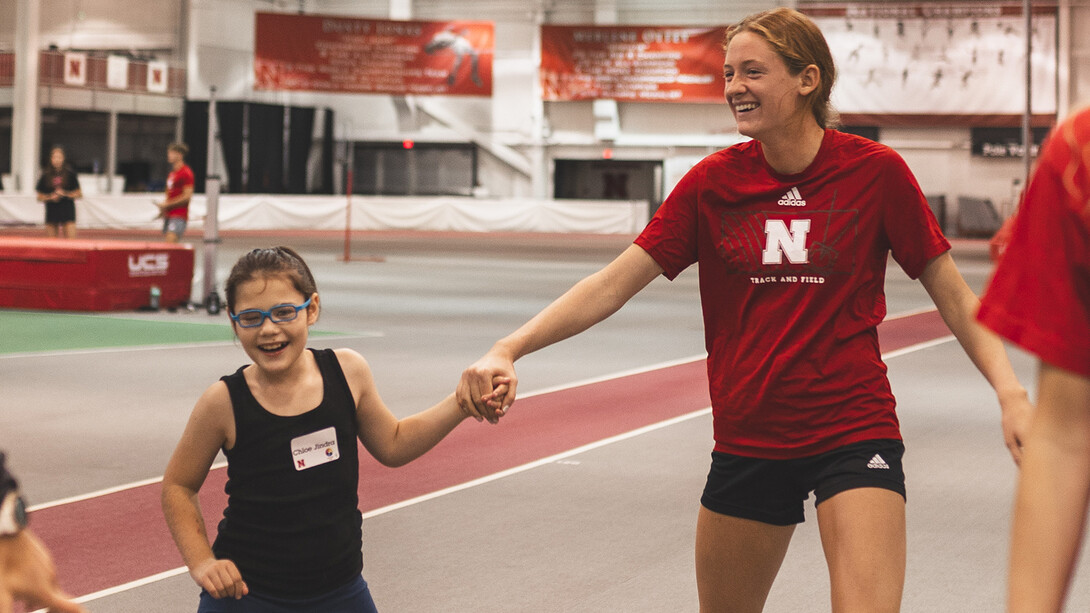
pixel 75 69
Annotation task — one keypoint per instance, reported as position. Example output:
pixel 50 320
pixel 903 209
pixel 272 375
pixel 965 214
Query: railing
pixel 51 67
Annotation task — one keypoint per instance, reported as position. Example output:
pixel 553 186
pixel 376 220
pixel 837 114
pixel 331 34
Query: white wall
pixel 943 165
pixel 102 24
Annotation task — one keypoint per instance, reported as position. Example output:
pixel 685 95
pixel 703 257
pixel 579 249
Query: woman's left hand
pixel 1017 413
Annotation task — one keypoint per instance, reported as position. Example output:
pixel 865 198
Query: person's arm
pixel 958 305
pixel 392 441
pixel 588 302
pixel 1053 490
pixel 182 199
pixel 27 573
pixel 72 181
pixel 44 190
pixel 209 429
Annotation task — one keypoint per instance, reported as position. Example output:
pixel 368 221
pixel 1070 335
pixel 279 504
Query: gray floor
pixel 607 530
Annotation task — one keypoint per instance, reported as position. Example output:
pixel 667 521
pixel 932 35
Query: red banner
pixel 632 63
pixel 369 56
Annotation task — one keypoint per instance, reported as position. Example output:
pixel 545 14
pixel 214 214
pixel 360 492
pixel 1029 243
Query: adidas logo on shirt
pixel 878 462
pixel 792 198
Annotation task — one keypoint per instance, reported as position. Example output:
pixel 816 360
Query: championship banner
pixel 939 59
pixel 370 56
pixel 632 63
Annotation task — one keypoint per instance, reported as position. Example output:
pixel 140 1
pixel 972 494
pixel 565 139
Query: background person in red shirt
pixel 791 231
pixel 1039 298
pixel 175 208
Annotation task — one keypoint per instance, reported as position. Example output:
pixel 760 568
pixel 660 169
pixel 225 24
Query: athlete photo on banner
pixel 911 59
pixel 373 56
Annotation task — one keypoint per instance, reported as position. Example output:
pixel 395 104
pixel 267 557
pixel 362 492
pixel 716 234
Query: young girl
pixel 791 231
pixel 290 538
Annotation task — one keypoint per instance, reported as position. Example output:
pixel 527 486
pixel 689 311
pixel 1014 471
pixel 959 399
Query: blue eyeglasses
pixel 281 313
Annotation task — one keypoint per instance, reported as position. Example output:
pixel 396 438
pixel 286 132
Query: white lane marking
pixel 174 572
pixel 918 346
pixel 910 313
pixel 536 463
pixel 106 491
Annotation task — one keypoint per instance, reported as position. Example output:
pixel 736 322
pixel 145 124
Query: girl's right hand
pixel 220 578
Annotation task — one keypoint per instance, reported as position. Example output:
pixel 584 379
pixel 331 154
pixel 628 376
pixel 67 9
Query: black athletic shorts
pixel 62 211
pixel 773 491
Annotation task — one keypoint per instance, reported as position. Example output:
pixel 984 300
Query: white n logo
pixel 779 241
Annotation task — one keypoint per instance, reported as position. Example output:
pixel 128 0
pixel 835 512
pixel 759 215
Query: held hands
pixel 27 575
pixel 487 388
pixel 500 386
pixel 1017 413
pixel 220 578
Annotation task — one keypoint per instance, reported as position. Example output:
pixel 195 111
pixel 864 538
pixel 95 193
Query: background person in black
pixel 58 188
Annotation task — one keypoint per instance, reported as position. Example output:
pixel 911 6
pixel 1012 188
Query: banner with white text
pixel 373 56
pixel 632 63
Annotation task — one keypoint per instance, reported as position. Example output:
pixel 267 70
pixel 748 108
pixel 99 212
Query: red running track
pixel 117 538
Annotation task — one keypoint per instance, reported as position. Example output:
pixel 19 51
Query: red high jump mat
pixel 92 275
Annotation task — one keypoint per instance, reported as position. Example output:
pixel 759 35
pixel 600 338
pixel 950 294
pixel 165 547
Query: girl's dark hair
pixel 48 166
pixel 269 262
pixel 798 40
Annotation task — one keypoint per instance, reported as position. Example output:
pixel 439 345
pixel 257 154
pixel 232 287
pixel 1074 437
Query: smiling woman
pixel 792 231
pixel 778 87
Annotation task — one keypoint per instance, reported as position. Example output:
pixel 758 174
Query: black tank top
pixel 292 523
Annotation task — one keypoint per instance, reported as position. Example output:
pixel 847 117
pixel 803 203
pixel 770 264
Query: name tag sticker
pixel 315 449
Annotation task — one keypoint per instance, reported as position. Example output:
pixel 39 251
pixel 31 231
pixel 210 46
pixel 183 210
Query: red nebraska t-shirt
pixel 1039 296
pixel 791 272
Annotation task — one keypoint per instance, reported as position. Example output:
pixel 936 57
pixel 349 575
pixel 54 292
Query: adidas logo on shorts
pixel 878 462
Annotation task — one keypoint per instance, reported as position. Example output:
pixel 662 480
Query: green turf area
pixel 35 331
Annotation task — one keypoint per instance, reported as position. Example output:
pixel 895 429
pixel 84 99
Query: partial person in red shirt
pixel 174 209
pixel 791 232
pixel 1039 298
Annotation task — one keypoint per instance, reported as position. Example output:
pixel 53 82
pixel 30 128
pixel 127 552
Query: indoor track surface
pixel 583 499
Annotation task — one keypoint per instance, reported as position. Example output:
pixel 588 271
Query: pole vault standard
pixel 211 217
